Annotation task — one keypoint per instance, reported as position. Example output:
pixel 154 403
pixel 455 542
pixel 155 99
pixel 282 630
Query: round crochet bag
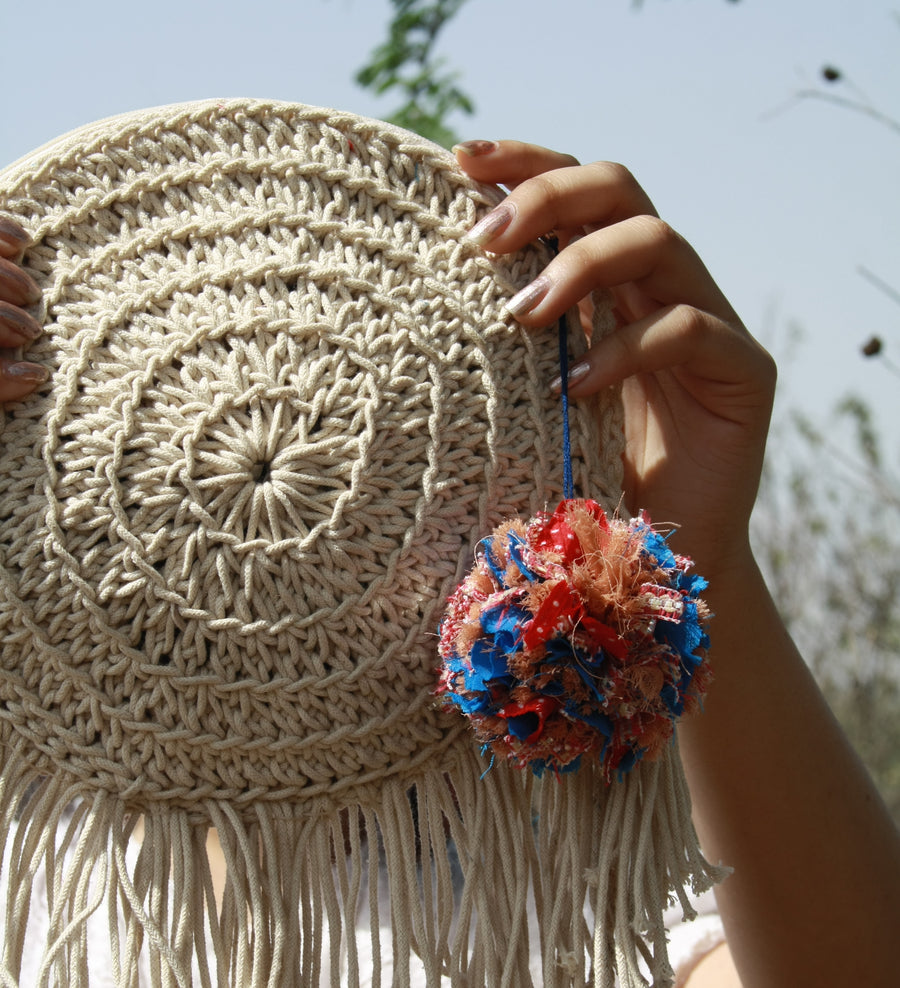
pixel 285 404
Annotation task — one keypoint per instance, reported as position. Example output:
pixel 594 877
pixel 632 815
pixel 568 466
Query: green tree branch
pixel 406 62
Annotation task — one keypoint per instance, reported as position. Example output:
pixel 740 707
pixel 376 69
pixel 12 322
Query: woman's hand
pixel 777 793
pixel 697 388
pixel 18 378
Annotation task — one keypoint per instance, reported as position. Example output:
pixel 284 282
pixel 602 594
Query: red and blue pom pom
pixel 575 637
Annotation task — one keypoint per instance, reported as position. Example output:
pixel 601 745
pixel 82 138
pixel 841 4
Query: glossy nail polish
pixel 525 300
pixel 24 370
pixel 13 239
pixel 576 373
pixel 16 286
pixel 19 323
pixel 476 149
pixel 492 225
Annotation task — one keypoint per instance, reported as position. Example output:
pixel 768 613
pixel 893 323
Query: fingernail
pixel 488 227
pixel 475 149
pixel 12 237
pixel 23 370
pixel 576 373
pixel 19 322
pixel 525 300
pixel 16 286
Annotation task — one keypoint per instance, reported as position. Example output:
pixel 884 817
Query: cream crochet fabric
pixel 285 404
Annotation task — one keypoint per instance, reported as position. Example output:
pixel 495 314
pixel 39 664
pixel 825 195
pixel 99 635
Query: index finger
pixel 574 197
pixel 508 163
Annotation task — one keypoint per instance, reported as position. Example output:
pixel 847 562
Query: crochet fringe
pixel 456 874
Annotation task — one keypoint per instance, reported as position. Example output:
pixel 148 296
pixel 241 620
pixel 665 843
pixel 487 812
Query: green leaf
pixel 404 63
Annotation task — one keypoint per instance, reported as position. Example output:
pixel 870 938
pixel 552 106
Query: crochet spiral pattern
pixel 285 403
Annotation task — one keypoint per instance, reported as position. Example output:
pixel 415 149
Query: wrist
pixel 724 559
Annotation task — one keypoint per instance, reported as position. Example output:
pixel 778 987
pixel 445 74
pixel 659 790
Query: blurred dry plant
pixel 827 530
pixel 827 533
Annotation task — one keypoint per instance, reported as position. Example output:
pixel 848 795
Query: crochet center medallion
pixel 270 438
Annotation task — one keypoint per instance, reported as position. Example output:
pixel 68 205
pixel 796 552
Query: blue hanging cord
pixel 568 483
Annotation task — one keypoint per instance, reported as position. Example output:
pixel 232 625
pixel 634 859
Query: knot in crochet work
pixel 285 403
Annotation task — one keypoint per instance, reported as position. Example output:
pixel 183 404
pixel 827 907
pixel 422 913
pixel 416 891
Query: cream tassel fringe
pixel 444 881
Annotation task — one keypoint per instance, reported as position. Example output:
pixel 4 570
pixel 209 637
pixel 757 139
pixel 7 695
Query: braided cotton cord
pixel 285 403
pixel 280 412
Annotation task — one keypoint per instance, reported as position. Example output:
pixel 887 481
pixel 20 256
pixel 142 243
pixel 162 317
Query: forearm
pixel 781 797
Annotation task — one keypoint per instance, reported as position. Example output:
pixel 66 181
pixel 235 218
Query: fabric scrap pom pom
pixel 575 636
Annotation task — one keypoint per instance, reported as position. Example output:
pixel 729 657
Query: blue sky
pixel 784 198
